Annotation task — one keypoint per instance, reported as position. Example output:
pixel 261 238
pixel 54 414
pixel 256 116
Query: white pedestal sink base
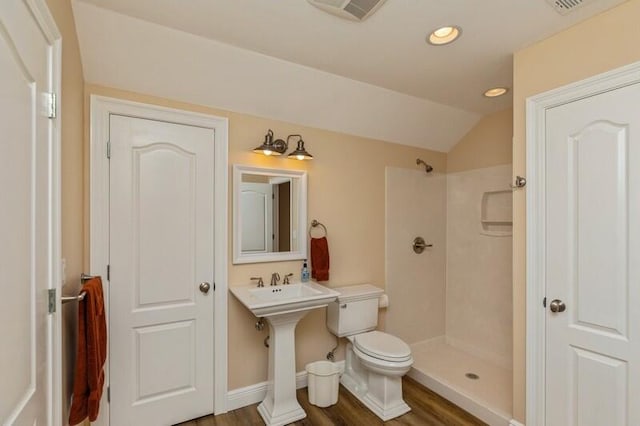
pixel 282 419
pixel 281 406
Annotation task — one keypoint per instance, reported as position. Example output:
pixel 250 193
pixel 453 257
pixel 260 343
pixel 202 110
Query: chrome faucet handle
pixel 260 282
pixel 275 277
pixel 286 278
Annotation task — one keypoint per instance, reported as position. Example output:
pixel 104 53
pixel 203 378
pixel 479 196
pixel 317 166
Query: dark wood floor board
pixel 427 409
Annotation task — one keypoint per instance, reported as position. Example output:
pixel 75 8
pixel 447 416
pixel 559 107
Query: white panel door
pixel 257 218
pixel 26 217
pixel 161 250
pixel 593 261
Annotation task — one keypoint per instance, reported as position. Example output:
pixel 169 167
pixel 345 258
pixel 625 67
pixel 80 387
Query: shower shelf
pixel 495 212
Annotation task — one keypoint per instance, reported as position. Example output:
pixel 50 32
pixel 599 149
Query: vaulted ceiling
pixel 384 57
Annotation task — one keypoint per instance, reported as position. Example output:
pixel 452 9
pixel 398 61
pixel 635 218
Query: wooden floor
pixel 427 409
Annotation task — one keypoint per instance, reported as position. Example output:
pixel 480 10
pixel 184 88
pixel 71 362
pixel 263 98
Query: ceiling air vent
pixel 565 6
pixel 356 10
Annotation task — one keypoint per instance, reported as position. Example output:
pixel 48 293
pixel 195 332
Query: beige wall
pixel 346 193
pixel 72 182
pixel 599 44
pixel 487 144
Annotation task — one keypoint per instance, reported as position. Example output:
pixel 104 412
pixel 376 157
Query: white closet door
pixel 593 260
pixel 161 250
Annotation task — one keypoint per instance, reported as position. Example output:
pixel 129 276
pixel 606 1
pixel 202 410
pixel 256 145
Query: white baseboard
pixel 515 423
pixel 252 394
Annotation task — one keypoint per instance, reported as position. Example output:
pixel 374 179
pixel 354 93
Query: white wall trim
pixel 515 423
pixel 536 107
pixel 255 393
pixel 101 108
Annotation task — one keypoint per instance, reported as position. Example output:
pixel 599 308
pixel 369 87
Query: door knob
pixel 204 287
pixel 557 305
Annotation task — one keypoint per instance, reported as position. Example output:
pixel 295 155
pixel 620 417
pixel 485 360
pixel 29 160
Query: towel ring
pixel 315 224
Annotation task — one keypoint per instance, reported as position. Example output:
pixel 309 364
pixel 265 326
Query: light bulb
pixel 443 32
pixel 300 157
pixel 267 152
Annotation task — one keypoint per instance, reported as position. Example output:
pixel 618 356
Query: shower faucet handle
pixel 419 245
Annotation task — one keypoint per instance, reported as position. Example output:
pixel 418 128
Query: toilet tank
pixel 354 311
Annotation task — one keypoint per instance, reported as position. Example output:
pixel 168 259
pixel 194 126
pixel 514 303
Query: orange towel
pixel 320 259
pixel 90 355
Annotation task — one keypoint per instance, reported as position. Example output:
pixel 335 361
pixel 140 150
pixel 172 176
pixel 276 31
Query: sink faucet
pixel 286 278
pixel 275 277
pixel 260 282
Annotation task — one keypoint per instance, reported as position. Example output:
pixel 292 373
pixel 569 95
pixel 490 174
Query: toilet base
pixel 381 395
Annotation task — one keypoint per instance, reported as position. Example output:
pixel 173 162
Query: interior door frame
pixel 536 108
pixel 101 108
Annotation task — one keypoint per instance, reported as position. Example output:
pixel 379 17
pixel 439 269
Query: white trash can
pixel 323 383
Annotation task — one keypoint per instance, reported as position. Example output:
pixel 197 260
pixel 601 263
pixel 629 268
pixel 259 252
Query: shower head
pixel 427 167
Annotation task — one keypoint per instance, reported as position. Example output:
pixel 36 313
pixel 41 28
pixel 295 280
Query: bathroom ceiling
pixel 387 50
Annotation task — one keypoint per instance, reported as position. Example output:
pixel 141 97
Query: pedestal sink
pixel 283 306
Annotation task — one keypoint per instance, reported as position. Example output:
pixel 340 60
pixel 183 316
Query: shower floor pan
pixel 479 387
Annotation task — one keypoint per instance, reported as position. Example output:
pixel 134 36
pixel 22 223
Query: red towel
pixel 90 355
pixel 320 259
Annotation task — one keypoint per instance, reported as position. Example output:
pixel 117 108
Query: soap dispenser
pixel 304 273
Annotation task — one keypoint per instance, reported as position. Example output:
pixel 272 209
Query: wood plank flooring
pixel 427 409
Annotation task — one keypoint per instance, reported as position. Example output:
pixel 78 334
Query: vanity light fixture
pixel 299 153
pixel 270 146
pixel 495 92
pixel 444 35
pixel 278 147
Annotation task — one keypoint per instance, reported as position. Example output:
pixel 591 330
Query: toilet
pixel 375 361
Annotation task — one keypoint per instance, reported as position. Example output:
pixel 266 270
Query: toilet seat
pixel 382 346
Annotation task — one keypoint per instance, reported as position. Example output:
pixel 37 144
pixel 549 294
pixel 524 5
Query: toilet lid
pixel 382 346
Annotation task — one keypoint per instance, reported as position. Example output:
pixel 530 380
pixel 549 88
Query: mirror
pixel 269 214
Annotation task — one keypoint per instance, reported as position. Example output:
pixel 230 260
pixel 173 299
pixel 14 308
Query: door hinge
pixel 108 393
pixel 108 272
pixel 52 300
pixel 108 149
pixel 52 109
pixel 544 302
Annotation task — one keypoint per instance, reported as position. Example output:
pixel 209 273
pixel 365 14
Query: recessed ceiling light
pixel 495 92
pixel 444 35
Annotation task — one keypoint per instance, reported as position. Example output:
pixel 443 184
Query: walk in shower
pixel 452 302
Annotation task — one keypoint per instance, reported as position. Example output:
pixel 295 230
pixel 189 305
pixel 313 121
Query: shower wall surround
pixel 460 289
pixel 479 306
pixel 416 205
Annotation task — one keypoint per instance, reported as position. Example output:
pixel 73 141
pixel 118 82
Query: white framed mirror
pixel 269 214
